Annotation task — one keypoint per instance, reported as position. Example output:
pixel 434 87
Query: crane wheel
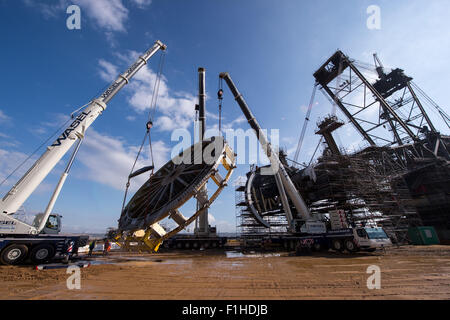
pixel 350 245
pixel 338 245
pixel 317 247
pixel 42 253
pixel 14 254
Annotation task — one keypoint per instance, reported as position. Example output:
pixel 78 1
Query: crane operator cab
pixel 371 238
pixel 53 225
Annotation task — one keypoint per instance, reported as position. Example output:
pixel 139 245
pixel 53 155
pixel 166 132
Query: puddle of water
pixel 234 254
pixel 252 254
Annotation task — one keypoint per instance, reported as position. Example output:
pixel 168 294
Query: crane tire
pixel 14 254
pixel 42 253
pixel 350 245
pixel 338 245
pixel 317 247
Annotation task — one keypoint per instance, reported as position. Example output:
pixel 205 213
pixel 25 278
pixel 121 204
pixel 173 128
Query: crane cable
pixel 220 98
pixel 305 124
pixel 148 126
pixel 72 115
pixel 315 151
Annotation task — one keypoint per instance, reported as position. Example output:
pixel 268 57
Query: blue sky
pixel 271 49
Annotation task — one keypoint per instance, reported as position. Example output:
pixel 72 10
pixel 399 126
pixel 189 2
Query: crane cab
pixel 53 225
pixel 371 238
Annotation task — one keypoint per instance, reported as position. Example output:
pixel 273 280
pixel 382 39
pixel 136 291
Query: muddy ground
pixel 406 273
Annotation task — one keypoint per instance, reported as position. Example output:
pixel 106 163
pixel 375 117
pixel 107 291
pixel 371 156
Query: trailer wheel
pixel 42 253
pixel 350 245
pixel 14 254
pixel 338 245
pixel 317 247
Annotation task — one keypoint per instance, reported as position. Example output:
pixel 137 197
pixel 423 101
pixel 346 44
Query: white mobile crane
pixel 306 232
pixel 40 241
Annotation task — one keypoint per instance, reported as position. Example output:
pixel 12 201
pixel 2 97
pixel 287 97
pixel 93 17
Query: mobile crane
pixel 40 241
pixel 305 231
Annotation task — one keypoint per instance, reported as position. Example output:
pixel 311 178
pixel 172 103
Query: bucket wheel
pixel 178 181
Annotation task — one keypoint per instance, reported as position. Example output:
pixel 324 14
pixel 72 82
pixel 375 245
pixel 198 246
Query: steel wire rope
pixel 148 127
pixel 43 144
pixel 305 124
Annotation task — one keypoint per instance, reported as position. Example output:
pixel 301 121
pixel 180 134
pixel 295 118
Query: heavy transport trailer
pixel 194 242
pixel 40 241
pixel 39 248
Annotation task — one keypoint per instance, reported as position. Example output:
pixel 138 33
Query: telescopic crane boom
pixel 284 182
pixel 20 192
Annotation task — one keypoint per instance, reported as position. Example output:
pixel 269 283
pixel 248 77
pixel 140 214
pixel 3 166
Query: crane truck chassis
pixel 356 239
pixel 40 248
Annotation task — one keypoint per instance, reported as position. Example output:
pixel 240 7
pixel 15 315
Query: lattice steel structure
pixel 388 110
pixel 270 221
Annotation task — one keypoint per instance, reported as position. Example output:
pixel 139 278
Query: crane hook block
pixel 220 94
pixel 149 125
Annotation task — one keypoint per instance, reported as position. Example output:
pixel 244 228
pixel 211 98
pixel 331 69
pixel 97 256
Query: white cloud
pixel 176 109
pixel 108 71
pixel 4 117
pixel 108 160
pixel 9 160
pixel 234 124
pixel 239 180
pixel 49 10
pixel 222 225
pixel 57 121
pixel 288 140
pixel 142 3
pixel 109 15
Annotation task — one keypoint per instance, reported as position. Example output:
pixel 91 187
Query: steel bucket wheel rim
pixel 148 222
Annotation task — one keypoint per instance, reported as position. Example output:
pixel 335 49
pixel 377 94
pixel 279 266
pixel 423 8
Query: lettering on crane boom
pixel 7 225
pixel 72 127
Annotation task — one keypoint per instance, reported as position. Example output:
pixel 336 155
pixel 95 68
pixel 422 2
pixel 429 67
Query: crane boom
pixel 275 162
pixel 20 192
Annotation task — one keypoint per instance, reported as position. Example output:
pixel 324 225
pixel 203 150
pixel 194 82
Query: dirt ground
pixel 406 273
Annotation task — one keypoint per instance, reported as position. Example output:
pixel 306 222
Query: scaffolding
pixel 248 227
